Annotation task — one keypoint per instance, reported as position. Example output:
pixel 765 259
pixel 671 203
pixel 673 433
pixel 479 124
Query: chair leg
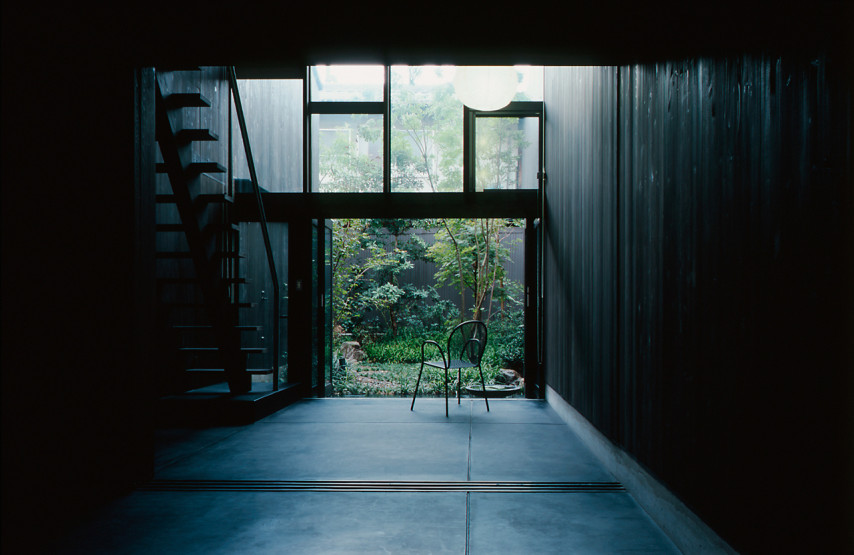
pixel 459 384
pixel 483 385
pixel 418 381
pixel 446 393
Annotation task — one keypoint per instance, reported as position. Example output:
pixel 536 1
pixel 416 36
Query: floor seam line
pixel 468 521
pixel 468 459
pixel 468 479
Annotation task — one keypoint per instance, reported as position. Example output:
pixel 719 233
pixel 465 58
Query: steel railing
pixel 232 77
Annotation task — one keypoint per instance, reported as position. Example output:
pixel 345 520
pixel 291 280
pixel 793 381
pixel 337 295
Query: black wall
pixel 76 324
pixel 698 282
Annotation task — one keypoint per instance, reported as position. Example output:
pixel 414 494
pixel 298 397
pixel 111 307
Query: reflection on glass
pixel 530 83
pixel 507 153
pixel 426 130
pixel 327 304
pixel 253 285
pixel 347 153
pixel 274 121
pixel 279 239
pixel 347 83
pixel 315 298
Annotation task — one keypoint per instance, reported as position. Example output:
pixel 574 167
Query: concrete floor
pixel 368 475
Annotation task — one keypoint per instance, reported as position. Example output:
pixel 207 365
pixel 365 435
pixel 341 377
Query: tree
pixel 368 259
pixel 354 256
pixel 471 255
pixel 346 163
pixel 387 295
pixel 426 137
pixel 500 143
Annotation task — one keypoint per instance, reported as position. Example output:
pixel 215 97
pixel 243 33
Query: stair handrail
pixel 232 77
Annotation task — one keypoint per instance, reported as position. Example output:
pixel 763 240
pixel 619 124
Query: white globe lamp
pixel 485 88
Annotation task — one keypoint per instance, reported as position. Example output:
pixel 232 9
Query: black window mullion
pixel 306 134
pixel 387 131
pixel 517 109
pixel 468 149
pixel 346 108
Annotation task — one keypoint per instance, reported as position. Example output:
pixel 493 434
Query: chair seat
pixel 453 365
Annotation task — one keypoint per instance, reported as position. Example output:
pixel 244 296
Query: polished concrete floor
pixel 369 475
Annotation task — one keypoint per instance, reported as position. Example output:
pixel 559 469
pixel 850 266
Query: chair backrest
pixel 467 341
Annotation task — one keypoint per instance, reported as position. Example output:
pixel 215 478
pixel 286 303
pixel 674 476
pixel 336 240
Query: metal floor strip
pixel 382 486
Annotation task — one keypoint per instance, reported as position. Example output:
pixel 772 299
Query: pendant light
pixel 485 88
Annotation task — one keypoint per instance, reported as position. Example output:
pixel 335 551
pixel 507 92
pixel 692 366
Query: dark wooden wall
pixel 698 263
pixel 581 232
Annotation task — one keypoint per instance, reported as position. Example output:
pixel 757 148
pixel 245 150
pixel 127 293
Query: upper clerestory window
pixel 346 83
pixel 375 129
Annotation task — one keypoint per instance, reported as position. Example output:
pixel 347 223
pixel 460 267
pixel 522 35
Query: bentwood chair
pixel 465 350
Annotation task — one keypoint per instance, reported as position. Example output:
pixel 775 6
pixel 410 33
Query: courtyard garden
pixel 397 283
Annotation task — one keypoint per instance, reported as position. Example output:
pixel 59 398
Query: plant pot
pixel 493 390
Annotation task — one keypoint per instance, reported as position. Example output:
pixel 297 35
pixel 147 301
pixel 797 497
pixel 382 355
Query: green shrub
pixel 396 349
pixel 506 346
pixel 398 380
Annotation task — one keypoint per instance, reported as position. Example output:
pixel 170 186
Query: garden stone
pixel 507 376
pixel 352 351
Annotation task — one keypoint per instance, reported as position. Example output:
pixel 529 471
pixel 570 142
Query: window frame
pixel 518 108
pixel 345 108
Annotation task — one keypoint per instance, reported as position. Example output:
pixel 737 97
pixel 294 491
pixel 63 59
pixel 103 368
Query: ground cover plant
pixel 373 379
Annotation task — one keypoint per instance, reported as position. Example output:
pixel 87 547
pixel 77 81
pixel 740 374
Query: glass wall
pixel 274 121
pixel 346 110
pixel 426 130
pixel 347 83
pixel 279 238
pixel 423 137
pixel 349 153
pixel 507 153
pixel 256 295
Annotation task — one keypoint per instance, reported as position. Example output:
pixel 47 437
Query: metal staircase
pixel 198 260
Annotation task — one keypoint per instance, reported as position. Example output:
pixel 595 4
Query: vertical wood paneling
pixel 697 252
pixel 581 223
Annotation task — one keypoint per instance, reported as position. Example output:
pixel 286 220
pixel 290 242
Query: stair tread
pixel 196 167
pixel 209 167
pixel 215 197
pixel 190 135
pixel 204 197
pixel 187 100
